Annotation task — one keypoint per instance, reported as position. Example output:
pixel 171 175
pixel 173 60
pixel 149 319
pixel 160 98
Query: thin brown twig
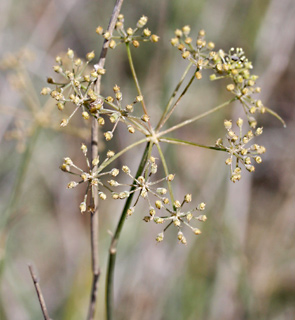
pixel 39 293
pixel 94 222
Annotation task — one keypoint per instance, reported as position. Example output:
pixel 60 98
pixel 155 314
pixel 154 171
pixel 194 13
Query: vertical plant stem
pixel 94 202
pixel 166 171
pixel 115 239
pixel 39 294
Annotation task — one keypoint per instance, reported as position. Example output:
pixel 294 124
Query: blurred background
pixel 243 264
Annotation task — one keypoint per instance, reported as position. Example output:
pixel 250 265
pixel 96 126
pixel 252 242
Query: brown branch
pixel 39 293
pixel 94 222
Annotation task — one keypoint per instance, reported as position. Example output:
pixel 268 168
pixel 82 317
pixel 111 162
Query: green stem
pixel 178 100
pixel 184 142
pixel 135 76
pixel 161 122
pixel 115 239
pixel 186 122
pixel 117 155
pixel 166 171
pixel 276 115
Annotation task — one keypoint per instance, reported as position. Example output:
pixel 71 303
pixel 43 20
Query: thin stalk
pixel 203 115
pixel 94 202
pixel 39 294
pixel 160 124
pixel 276 115
pixel 166 171
pixel 185 143
pixel 135 77
pixel 178 100
pixel 115 239
pixel 117 155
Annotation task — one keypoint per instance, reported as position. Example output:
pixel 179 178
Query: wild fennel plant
pixel 79 88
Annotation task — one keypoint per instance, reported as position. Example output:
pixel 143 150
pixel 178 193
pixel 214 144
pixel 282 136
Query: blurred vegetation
pixel 242 266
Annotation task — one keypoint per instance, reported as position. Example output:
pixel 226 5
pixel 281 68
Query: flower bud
pixel 158 204
pixel 197 231
pixel 70 53
pixel 95 161
pixel 227 124
pixel 177 204
pixel 154 38
pixel 130 211
pixel 158 220
pixel 160 237
pixel 82 207
pixel 72 184
pixel 147 32
pixel 142 22
pixel 186 30
pixel 202 218
pixel 110 154
pixel 188 198
pixel 99 30
pixel 102 195
pixel 108 135
pixel 170 177
pixel 126 169
pixel 201 206
pixel 115 172
pixel 90 56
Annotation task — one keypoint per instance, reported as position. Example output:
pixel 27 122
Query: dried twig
pixel 39 293
pixel 94 151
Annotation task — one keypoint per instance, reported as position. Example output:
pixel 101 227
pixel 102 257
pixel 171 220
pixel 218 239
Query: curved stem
pixel 115 239
pixel 186 122
pixel 160 123
pixel 276 115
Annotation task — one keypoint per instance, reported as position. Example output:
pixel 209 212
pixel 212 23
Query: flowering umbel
pixel 178 217
pixel 78 88
pixel 238 151
pixel 92 176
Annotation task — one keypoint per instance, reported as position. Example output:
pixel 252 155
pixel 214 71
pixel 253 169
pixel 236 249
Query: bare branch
pixel 39 293
pixel 94 222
